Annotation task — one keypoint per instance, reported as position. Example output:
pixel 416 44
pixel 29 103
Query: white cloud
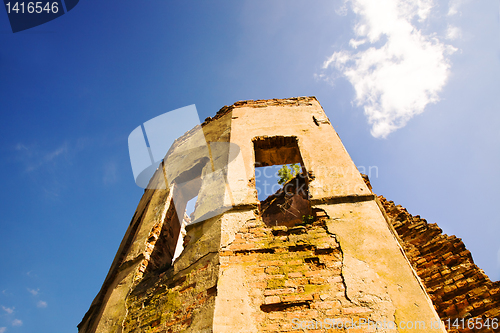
pixel 342 10
pixel 48 157
pixel 399 70
pixel 453 32
pixel 21 146
pixel 8 310
pixel 53 154
pixel 423 8
pixel 17 322
pixel 355 43
pixel 33 291
pixel 453 7
pixel 3 329
pixel 35 157
pixel 110 173
pixel 41 304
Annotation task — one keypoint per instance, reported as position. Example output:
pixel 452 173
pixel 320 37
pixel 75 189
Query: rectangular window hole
pixel 281 181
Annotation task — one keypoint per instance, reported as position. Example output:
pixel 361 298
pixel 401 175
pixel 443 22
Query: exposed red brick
pixel 457 287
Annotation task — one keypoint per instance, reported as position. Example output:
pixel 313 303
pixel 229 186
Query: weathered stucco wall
pixel 237 274
pixel 375 271
pixel 333 172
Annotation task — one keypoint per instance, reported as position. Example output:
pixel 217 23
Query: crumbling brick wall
pixel 171 303
pixel 457 287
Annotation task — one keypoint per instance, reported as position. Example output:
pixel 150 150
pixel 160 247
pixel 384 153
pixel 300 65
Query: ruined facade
pixel 323 250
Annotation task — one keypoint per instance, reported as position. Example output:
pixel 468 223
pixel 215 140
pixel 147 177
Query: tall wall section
pixel 256 267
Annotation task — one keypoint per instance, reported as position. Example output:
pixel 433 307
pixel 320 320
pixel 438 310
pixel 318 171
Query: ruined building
pixel 323 250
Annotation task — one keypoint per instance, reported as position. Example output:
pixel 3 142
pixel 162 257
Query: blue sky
pixel 410 86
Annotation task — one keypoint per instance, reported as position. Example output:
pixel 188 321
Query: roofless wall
pixel 340 264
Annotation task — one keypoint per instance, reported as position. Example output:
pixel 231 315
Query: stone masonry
pixel 324 250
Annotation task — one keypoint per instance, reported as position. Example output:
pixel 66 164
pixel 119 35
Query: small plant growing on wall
pixel 286 173
pixel 307 219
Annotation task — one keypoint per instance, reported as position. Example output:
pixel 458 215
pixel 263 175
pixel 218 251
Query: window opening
pixel 170 242
pixel 188 217
pixel 271 179
pixel 281 182
pixel 190 206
